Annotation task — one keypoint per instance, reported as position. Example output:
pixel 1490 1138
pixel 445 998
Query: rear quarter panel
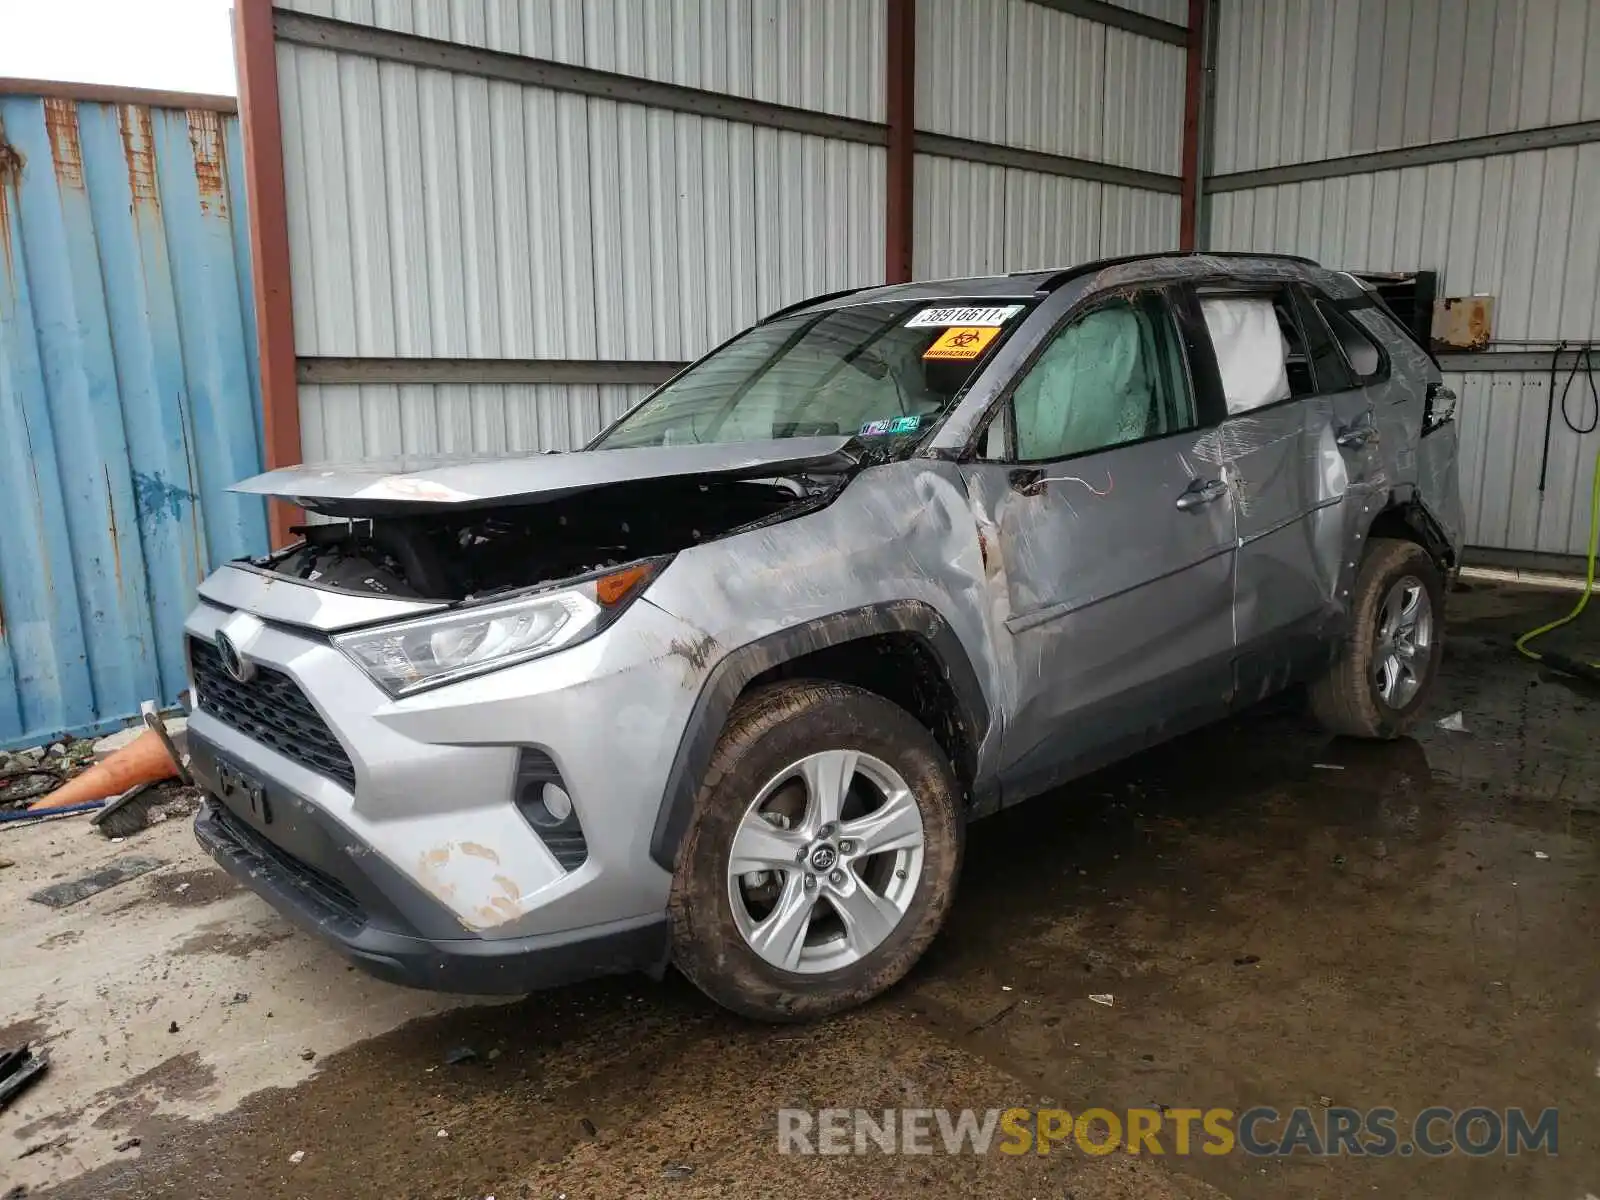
pixel 1415 466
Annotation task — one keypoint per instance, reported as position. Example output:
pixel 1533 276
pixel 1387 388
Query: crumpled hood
pixel 428 483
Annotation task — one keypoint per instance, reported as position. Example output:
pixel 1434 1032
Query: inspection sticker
pixel 890 425
pixel 983 317
pixel 965 341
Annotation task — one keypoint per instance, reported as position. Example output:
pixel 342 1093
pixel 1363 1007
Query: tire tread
pixel 1343 700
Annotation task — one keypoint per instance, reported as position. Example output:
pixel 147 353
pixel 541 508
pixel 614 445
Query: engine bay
pixel 470 554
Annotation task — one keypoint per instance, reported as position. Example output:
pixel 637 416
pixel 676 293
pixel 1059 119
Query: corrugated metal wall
pixel 129 400
pixel 975 219
pixel 1524 228
pixel 822 55
pixel 437 213
pixel 1502 442
pixel 374 420
pixel 1299 81
pixel 1015 73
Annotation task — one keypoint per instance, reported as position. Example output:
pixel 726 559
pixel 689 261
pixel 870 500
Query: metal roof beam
pixel 1460 150
pixel 1121 18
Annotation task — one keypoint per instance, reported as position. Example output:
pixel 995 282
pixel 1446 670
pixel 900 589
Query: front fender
pixel 733 672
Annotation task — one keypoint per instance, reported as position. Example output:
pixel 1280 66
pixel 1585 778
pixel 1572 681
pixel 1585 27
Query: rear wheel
pixel 823 854
pixel 1390 656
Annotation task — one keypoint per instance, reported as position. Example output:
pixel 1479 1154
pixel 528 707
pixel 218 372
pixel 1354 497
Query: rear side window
pixel 1270 347
pixel 1362 353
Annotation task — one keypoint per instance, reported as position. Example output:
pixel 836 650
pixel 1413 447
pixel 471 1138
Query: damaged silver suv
pixel 724 689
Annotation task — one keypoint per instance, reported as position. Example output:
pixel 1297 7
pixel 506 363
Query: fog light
pixel 556 802
pixel 541 796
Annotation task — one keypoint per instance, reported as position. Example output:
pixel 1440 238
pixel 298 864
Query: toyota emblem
pixel 239 668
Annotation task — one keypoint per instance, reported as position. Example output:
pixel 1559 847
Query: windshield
pixel 880 369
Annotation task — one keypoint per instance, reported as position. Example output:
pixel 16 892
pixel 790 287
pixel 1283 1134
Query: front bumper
pixel 475 966
pixel 398 834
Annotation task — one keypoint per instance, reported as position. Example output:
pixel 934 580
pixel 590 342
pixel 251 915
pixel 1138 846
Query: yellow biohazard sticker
pixel 964 341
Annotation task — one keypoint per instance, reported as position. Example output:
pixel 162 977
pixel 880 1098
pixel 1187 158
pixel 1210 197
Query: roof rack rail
pixel 1299 258
pixel 1100 264
pixel 810 300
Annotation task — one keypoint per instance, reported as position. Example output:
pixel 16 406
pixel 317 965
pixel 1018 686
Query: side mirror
pixel 1028 481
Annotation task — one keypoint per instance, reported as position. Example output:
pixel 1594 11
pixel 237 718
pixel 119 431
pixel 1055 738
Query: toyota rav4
pixel 724 688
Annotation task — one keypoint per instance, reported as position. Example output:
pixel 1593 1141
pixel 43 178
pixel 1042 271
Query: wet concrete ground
pixel 1273 933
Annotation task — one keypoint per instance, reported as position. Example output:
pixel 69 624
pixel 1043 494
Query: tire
pixel 768 733
pixel 1349 699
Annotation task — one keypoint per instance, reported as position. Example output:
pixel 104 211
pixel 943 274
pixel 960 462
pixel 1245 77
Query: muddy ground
pixel 1273 932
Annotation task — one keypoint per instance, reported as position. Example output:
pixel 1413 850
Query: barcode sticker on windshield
pixel 988 318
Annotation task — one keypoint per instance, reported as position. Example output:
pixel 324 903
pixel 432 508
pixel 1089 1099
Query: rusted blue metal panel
pixel 129 400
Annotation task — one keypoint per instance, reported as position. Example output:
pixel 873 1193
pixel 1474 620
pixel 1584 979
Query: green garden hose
pixel 1561 662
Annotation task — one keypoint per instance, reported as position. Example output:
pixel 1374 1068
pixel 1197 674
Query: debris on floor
pixel 1102 998
pixel 26 785
pixel 60 895
pixel 146 759
pixel 298 1157
pixel 18 1069
pixel 25 775
pixel 1540 854
pixel 131 1143
pixel 54 1143
pixel 677 1171
pixel 29 774
pixel 1453 723
pixel 460 1055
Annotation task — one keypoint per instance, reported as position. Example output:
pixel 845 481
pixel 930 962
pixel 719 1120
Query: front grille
pixel 334 902
pixel 270 709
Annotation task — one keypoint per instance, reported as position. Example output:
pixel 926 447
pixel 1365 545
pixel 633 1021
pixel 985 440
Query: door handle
pixel 1200 492
pixel 1358 433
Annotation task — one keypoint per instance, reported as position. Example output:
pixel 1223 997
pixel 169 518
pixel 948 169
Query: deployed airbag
pixel 1252 356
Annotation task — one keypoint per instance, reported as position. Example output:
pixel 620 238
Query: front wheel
pixel 1390 656
pixel 823 854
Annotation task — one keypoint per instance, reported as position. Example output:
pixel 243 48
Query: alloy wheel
pixel 825 861
pixel 1404 648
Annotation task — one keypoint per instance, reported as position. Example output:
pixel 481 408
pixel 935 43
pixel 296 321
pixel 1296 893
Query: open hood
pixel 421 485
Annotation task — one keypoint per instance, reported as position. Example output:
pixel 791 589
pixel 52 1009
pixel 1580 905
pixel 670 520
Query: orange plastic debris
pixel 143 760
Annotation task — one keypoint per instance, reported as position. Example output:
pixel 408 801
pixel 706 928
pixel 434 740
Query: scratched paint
pixel 129 400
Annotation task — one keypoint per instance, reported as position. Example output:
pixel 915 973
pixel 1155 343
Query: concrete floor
pixel 1273 932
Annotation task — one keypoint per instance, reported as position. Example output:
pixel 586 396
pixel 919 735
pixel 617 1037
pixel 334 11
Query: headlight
pixel 412 655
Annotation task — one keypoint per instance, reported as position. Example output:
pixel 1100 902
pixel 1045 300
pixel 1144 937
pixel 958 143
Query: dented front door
pixel 1109 575
pixel 1116 605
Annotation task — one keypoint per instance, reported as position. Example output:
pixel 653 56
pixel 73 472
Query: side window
pixel 1114 375
pixel 1365 359
pixel 1328 363
pixel 1261 352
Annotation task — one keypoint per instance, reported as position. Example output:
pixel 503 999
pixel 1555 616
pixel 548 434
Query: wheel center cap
pixel 823 858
